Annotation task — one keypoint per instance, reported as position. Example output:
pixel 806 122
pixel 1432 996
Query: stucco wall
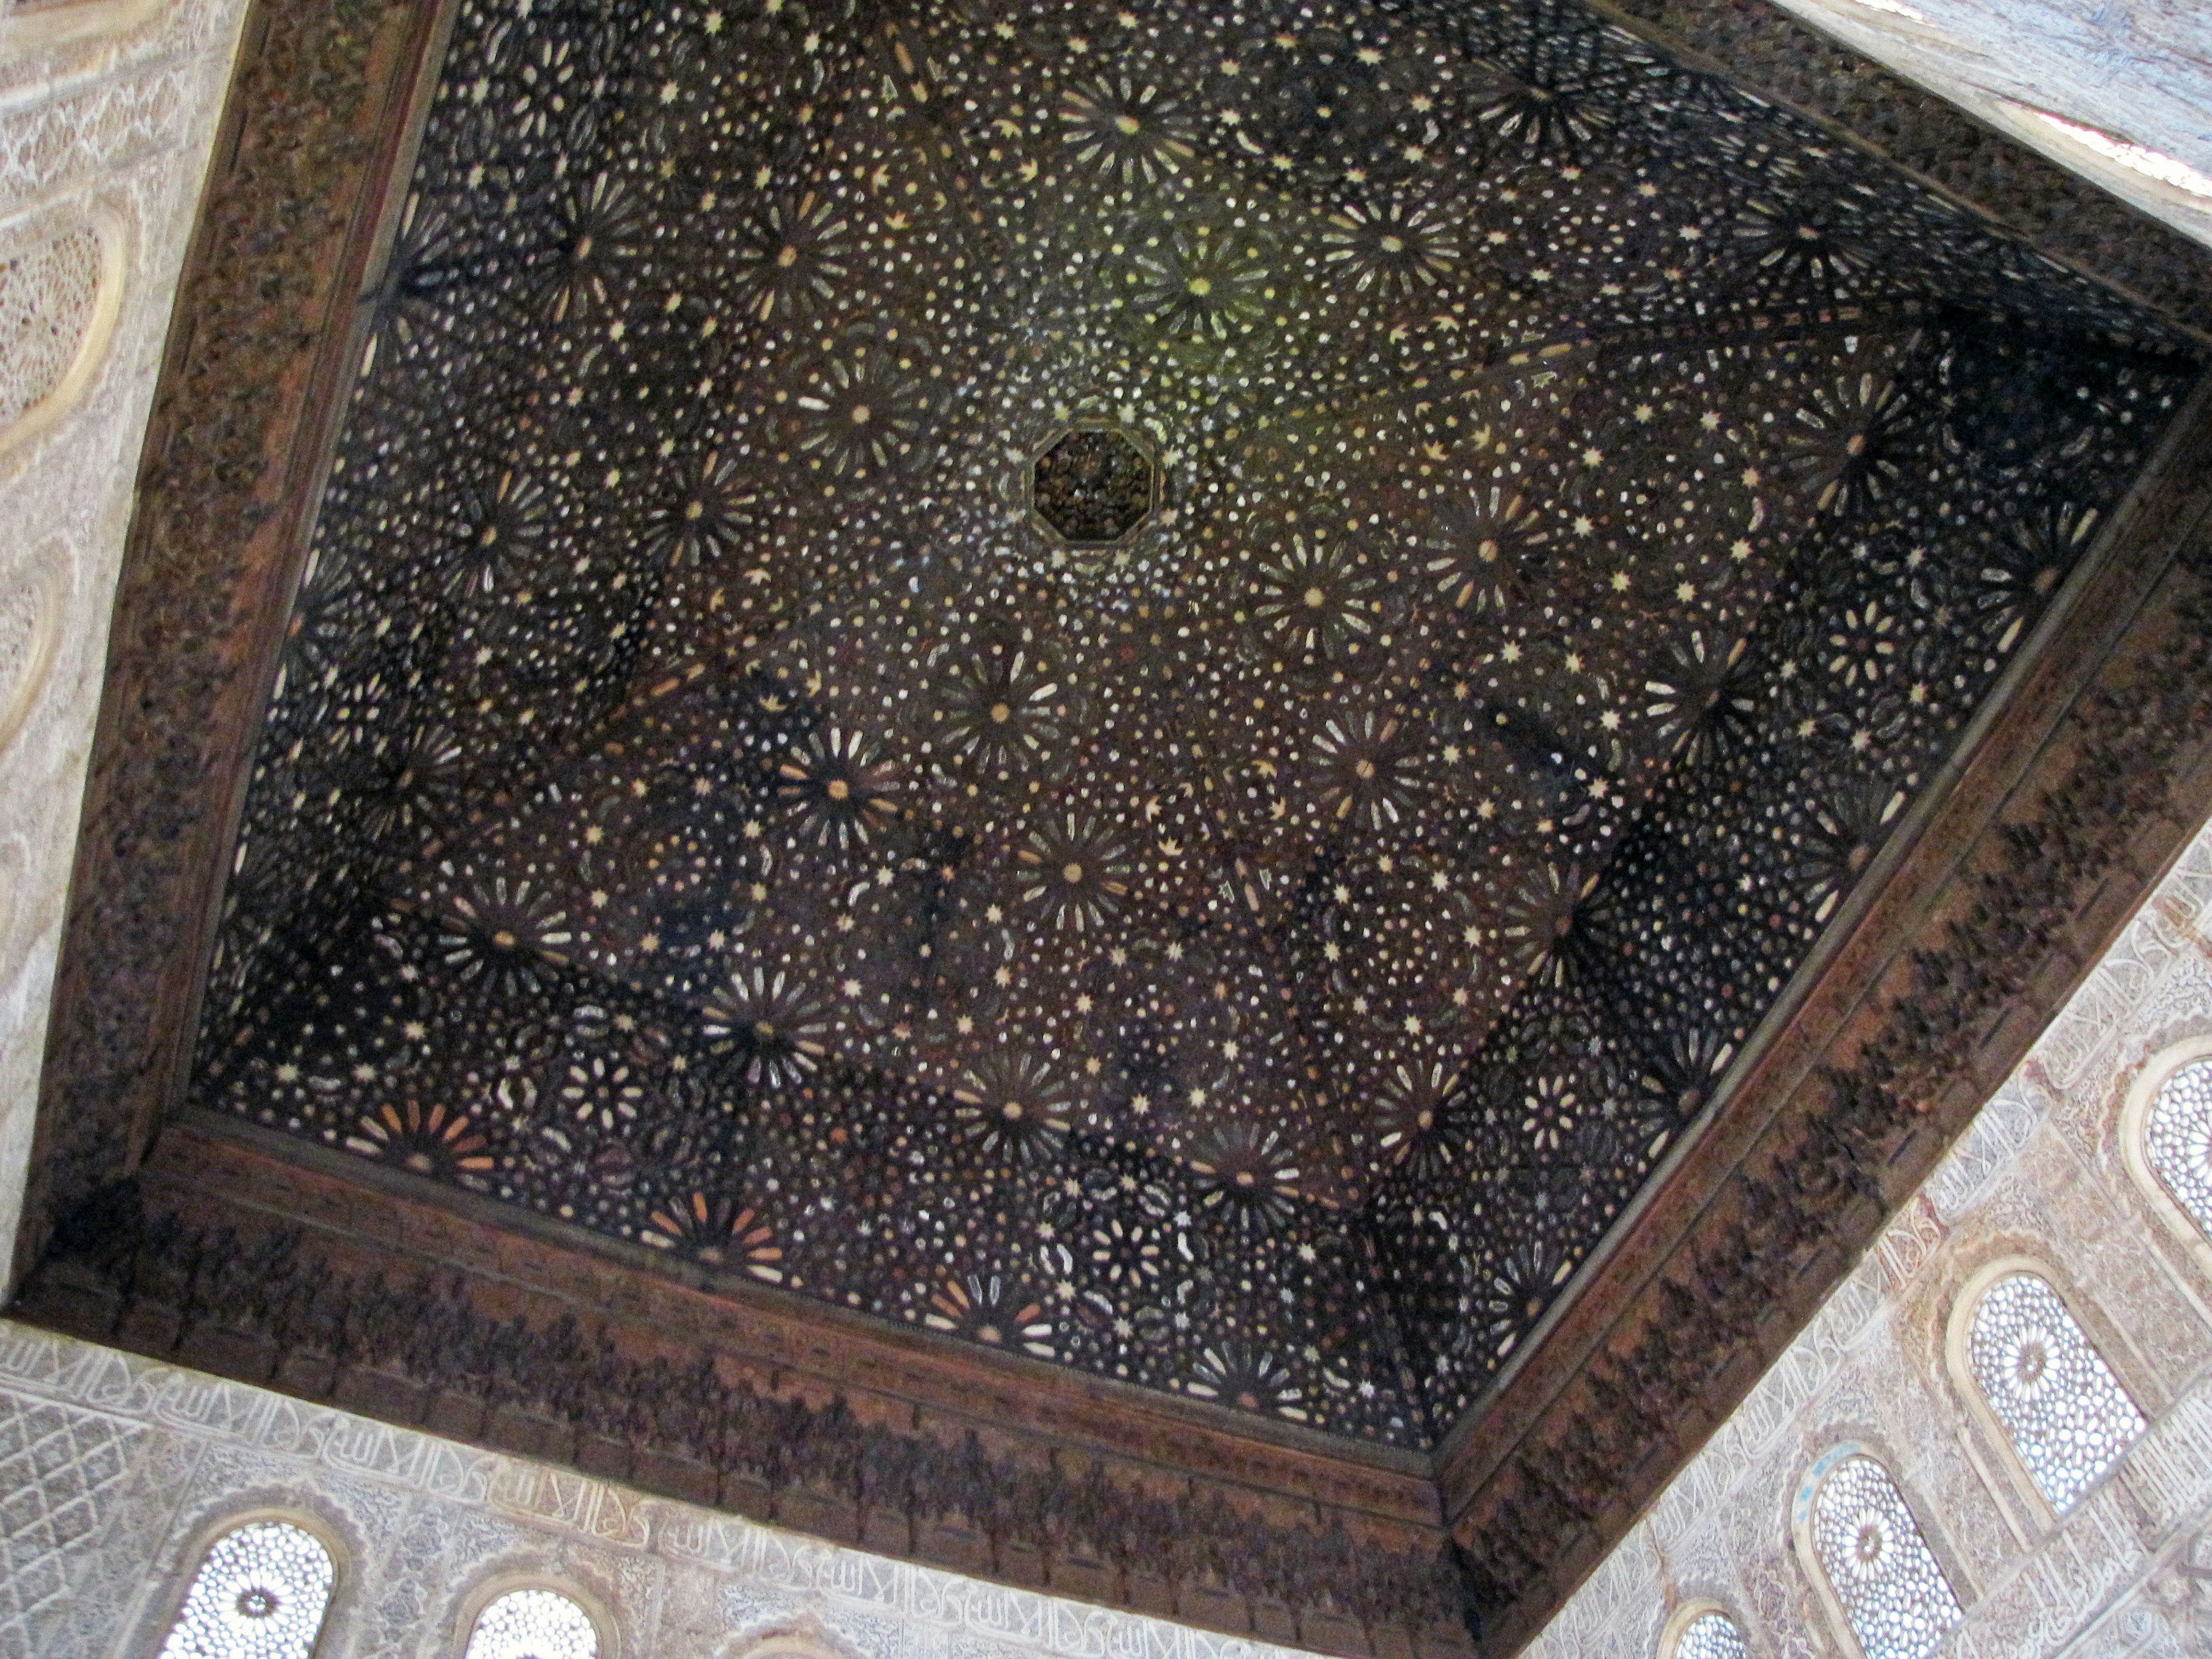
pixel 2139 69
pixel 115 1472
pixel 107 114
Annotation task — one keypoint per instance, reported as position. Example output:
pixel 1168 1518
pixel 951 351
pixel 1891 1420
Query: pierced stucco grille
pixel 2065 1413
pixel 1711 1636
pixel 260 1594
pixel 1891 1586
pixel 2178 1140
pixel 47 297
pixel 533 1624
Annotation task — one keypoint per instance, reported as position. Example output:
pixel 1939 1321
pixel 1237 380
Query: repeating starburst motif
pixel 1390 250
pixel 702 804
pixel 789 258
pixel 1211 279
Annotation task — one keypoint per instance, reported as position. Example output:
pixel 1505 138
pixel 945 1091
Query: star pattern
pixel 1258 953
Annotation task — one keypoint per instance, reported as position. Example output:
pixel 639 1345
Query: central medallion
pixel 1094 486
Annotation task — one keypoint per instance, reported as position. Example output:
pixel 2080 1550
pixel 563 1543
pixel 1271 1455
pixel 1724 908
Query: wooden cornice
pixel 2064 813
pixel 387 1298
pixel 219 1250
pixel 324 100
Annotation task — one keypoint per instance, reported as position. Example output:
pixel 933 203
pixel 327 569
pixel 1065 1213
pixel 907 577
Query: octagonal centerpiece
pixel 1094 486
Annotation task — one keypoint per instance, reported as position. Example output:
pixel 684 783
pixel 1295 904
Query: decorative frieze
pixel 119 1470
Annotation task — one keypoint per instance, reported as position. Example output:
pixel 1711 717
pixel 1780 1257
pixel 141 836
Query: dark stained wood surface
pixel 2068 807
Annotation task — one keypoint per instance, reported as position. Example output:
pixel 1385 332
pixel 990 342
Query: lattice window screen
pixel 2178 1140
pixel 260 1593
pixel 2065 1413
pixel 48 294
pixel 533 1624
pixel 1891 1588
pixel 1710 1636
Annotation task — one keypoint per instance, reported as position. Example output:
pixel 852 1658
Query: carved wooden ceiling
pixel 1164 689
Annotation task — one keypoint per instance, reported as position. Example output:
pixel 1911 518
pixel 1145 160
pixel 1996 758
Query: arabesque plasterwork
pixel 120 1469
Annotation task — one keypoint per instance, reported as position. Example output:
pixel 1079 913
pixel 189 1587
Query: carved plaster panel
pixel 34 588
pixel 59 290
pixel 120 1472
pixel 108 115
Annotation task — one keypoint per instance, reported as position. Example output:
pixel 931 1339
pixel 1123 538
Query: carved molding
pixel 2067 813
pixel 317 115
pixel 250 1266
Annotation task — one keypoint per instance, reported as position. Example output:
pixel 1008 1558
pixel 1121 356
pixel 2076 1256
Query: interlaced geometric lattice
pixel 533 1624
pixel 1710 1636
pixel 48 296
pixel 260 1593
pixel 2065 1413
pixel 2178 1140
pixel 60 1469
pixel 703 803
pixel 1891 1586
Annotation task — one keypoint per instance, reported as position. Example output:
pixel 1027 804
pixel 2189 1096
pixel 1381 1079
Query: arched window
pixel 2059 1404
pixel 260 1593
pixel 1884 1576
pixel 1710 1636
pixel 2178 1141
pixel 533 1624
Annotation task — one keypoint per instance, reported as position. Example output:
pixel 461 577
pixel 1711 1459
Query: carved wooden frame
pixel 324 103
pixel 2069 799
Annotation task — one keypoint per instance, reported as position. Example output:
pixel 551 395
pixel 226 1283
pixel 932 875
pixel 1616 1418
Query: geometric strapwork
pixel 1891 1588
pixel 710 801
pixel 260 1593
pixel 2065 1413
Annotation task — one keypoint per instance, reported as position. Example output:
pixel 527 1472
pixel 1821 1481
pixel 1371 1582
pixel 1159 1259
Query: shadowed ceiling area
pixel 1237 900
